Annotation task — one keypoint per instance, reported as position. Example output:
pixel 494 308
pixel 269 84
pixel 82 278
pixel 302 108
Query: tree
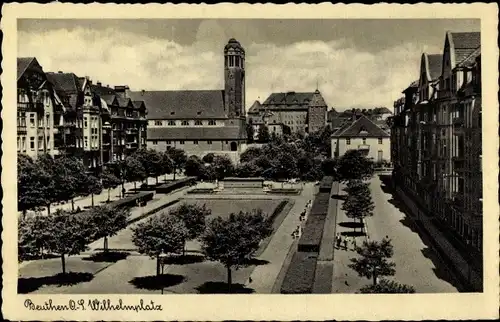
pixel 233 241
pixel 193 167
pixel 223 166
pixel 194 218
pixel 263 135
pixel 109 181
pixel 285 167
pixel 134 171
pixel 158 235
pixel 167 164
pixel 48 186
pixel 328 167
pixel 29 189
pixel 69 234
pixel 93 186
pixel 388 287
pixel 358 203
pixel 33 236
pixel 107 222
pixel 354 165
pixel 250 131
pixel 208 158
pixel 178 158
pixel 373 261
pixel 247 170
pixel 69 176
pixel 250 154
pixel 153 162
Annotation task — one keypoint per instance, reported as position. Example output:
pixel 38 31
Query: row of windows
pixel 195 142
pixel 94 141
pixel 348 141
pixel 234 61
pixel 21 143
pixel 184 123
pixel 94 122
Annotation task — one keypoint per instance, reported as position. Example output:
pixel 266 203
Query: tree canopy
pixel 107 222
pixel 374 260
pixel 388 287
pixel 353 165
pixel 358 203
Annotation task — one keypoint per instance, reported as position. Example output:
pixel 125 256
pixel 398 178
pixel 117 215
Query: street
pixel 416 264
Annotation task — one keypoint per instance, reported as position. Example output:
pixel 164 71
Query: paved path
pixel 416 264
pixel 264 276
pixel 115 194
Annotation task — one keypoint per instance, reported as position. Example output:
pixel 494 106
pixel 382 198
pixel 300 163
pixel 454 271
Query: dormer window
pixel 211 122
pixel 171 122
pixel 185 123
pixel 199 113
pixel 172 113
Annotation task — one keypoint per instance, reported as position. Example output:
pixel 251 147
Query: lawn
pixel 224 207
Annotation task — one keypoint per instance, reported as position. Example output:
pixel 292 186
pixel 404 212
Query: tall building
pixel 201 121
pixel 436 139
pixel 303 112
pixel 125 125
pixel 39 111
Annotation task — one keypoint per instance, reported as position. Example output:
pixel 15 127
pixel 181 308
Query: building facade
pixel 201 121
pixel 436 138
pixel 361 133
pixel 301 112
pixel 39 111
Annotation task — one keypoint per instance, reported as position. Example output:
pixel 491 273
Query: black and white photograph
pixel 169 156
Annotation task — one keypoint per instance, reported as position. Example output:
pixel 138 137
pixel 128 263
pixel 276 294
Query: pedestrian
pixel 345 244
pixel 250 280
pixel 354 243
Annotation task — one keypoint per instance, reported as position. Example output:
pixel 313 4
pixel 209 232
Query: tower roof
pixel 317 99
pixel 234 45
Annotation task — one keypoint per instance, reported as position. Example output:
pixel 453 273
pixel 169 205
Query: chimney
pixel 60 72
pixel 99 83
pixel 142 92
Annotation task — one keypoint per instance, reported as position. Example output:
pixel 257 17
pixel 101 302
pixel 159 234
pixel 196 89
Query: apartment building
pixel 436 138
pixel 39 111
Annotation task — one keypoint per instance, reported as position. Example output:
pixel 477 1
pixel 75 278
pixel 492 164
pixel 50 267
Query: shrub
pixel 171 186
pixel 326 184
pixel 320 204
pixel 312 234
pixel 278 210
pixel 299 278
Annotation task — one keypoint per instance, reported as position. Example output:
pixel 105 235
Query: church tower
pixel 234 79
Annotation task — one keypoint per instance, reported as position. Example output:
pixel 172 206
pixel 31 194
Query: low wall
pixel 243 182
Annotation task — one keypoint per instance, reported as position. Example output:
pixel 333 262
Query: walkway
pixel 264 276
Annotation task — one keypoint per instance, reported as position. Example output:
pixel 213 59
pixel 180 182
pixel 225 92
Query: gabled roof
pixel 362 127
pixel 471 59
pixel 434 66
pixel 197 133
pixel 413 85
pixel 464 43
pixel 102 90
pixel 109 99
pixel 124 102
pixel 22 65
pixel 67 83
pixel 317 99
pixel 254 108
pixel 184 104
pixel 138 104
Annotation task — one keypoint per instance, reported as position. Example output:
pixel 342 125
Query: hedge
pixel 278 210
pixel 326 184
pixel 299 278
pixel 201 191
pixel 323 278
pixel 312 234
pixel 284 191
pixel 171 186
pixel 320 204
pixel 132 200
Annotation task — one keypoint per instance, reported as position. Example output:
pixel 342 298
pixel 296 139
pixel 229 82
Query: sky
pixel 356 63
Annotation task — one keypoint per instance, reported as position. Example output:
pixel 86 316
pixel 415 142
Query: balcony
pixel 458 164
pixel 24 106
pixel 131 131
pixel 131 145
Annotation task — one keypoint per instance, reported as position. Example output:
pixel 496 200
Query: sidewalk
pixel 345 279
pixel 443 247
pixel 264 276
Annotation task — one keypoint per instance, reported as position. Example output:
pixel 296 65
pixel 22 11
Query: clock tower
pixel 234 79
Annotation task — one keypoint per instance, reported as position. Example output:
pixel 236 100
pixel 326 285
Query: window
pixel 209 142
pixel 168 142
pixel 184 123
pixel 195 142
pixel 85 124
pixel 47 122
pixel 18 143
pixel 32 143
pixel 171 122
pixel 155 142
pixel 211 122
pixel 198 122
pixel 40 143
pixel 86 142
pixel 364 140
pixel 158 123
pixel 48 142
pixel 181 142
pixel 379 140
pixel 32 119
pixel 23 143
pixel 347 141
